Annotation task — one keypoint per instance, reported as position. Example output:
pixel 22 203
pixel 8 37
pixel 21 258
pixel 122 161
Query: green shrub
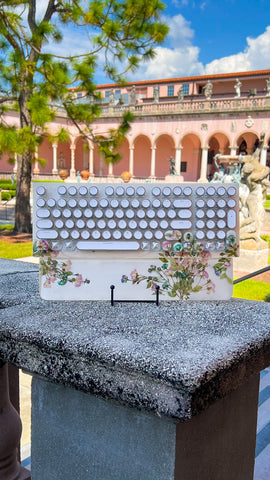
pixel 7 185
pixel 5 196
pixel 267 297
pixel 5 227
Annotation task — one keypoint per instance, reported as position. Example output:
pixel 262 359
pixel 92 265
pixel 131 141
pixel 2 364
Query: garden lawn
pixel 15 250
pixel 251 290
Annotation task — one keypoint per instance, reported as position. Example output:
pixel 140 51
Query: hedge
pixel 7 185
pixel 8 195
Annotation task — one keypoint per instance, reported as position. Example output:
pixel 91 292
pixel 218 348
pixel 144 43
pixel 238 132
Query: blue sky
pixel 206 37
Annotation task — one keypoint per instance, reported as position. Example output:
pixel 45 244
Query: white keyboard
pixel 134 217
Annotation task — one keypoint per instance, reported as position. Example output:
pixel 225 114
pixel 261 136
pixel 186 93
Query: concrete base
pixel 76 435
pixel 251 260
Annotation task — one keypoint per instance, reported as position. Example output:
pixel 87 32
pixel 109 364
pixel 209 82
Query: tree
pixel 31 79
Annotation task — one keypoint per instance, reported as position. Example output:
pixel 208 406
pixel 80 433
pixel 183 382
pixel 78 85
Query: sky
pixel 206 37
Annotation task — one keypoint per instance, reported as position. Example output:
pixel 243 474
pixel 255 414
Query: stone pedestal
pixel 174 179
pixel 251 260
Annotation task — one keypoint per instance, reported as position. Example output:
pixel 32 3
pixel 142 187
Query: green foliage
pixel 266 238
pixel 267 297
pixel 15 250
pixel 7 226
pixel 5 196
pixel 7 185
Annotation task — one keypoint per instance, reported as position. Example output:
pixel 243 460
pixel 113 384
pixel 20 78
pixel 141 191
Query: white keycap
pixel 51 202
pixel 40 190
pixel 43 213
pixel 231 219
pixel 108 245
pixel 40 202
pixel 72 190
pixel 182 203
pixel 66 213
pixel 47 234
pixel 61 190
pixel 180 224
pixel 44 223
pixel 184 214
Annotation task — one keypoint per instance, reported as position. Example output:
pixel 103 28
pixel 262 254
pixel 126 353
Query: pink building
pixel 189 118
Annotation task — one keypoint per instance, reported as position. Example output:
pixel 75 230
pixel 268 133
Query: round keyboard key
pixel 150 213
pixel 82 202
pixel 98 213
pixel 77 213
pixel 166 191
pixel 143 224
pixel 210 224
pixel 83 190
pixel 96 235
pixel 103 203
pixel 58 224
pixel 221 213
pixel 72 203
pixel 210 213
pixel 85 234
pixel 61 190
pixel 210 191
pixel 80 224
pixel 130 191
pixel 127 235
pixel 220 245
pixel 153 224
pixel 231 203
pixel 114 203
pixel 200 203
pixel 130 213
pixel 166 203
pixel 141 214
pixel 187 191
pixel 120 191
pixel 158 235
pixel 200 214
pixel 148 235
pixel 177 191
pixel 221 234
pixel 137 235
pixel 40 190
pixel 117 235
pixel 231 191
pixel 75 234
pixel 171 214
pixel 200 224
pixel 188 236
pixel 51 202
pixel 119 213
pixel 40 202
pixel 177 247
pixel 168 235
pixel 163 224
pixel 91 224
pixel 210 246
pixel 135 203
pixel 140 191
pixel 72 190
pixel 124 203
pixel 221 191
pixel 111 224
pixel 122 224
pixel 132 224
pixel 161 214
pixel 88 213
pixel 221 224
pixel 109 213
pixel 93 203
pixel 101 224
pixel 210 235
pixel 211 203
pixel 61 202
pixel 93 190
pixel 221 203
pixel 156 191
pixel 109 191
pixel 200 191
pixel 106 235
pixel 199 234
pixel 64 234
pixel 69 223
pixel 145 203
pixel 56 213
pixel 156 203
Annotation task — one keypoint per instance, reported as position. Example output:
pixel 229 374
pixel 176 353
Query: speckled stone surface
pixel 173 360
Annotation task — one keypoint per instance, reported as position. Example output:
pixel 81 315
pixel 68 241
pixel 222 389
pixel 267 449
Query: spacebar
pixel 107 245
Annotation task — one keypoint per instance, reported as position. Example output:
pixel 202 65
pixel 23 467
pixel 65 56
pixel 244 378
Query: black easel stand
pixel 156 301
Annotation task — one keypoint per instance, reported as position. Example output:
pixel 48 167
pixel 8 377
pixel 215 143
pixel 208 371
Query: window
pixel 200 90
pixel 183 166
pixel 79 95
pixel 185 88
pixel 107 94
pixel 170 91
pixel 117 95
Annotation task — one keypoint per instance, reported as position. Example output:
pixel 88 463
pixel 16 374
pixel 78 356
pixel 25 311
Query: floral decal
pixel 183 269
pixel 55 270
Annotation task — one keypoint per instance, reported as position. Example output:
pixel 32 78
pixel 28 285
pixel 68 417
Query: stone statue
pixel 208 90
pixel 180 94
pixel 172 166
pixel 237 88
pixel 268 87
pixel 156 94
pixel 111 97
pixel 132 97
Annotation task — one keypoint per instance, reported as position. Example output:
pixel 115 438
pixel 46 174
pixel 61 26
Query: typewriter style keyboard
pixel 135 217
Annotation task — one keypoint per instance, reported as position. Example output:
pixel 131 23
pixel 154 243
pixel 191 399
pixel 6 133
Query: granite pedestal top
pixel 173 360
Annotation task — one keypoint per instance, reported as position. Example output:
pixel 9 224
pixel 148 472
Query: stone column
pixel 153 162
pixel 10 434
pixel 55 169
pixel 203 175
pixel 178 152
pixel 36 165
pixel 233 151
pixel 15 164
pixel 263 156
pixel 72 167
pixel 110 170
pixel 91 162
pixel 131 160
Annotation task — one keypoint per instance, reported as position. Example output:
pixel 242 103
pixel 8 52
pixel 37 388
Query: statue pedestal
pixel 251 260
pixel 174 179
